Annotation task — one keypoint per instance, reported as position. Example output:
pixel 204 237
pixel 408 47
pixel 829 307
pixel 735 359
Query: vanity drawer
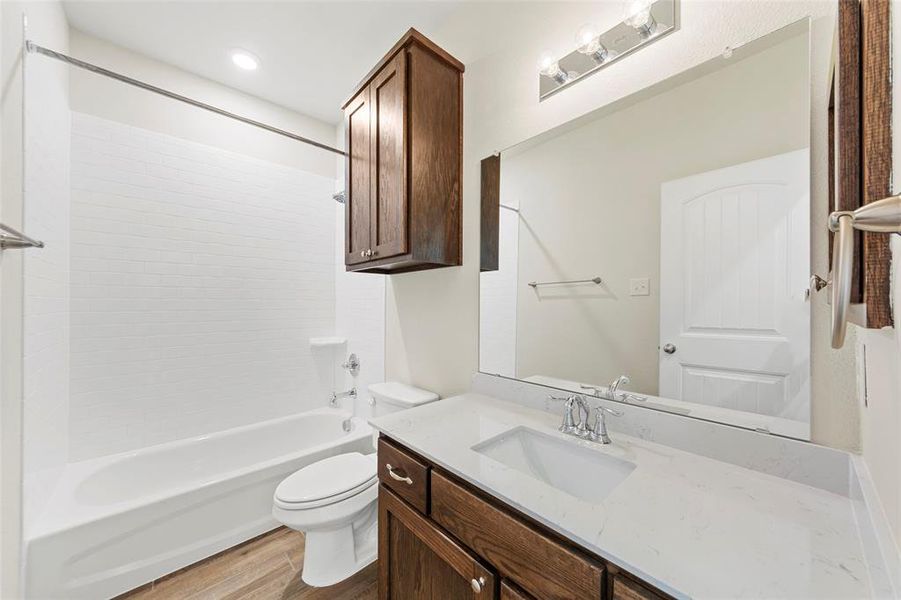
pixel 405 475
pixel 516 549
pixel 627 589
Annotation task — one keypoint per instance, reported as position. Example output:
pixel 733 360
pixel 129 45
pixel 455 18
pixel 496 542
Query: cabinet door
pixel 358 179
pixel 418 561
pixel 389 216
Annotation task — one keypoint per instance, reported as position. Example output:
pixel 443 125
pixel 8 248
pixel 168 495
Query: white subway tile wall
pixel 198 277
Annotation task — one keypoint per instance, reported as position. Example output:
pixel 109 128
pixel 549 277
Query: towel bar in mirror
pixel 883 216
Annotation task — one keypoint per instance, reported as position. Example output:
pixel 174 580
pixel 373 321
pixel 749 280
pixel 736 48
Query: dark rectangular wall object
pixel 876 143
pixel 491 201
pixel 845 186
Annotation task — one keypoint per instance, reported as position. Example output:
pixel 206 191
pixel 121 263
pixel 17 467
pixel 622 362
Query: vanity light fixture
pixel 245 60
pixel 638 16
pixel 644 22
pixel 589 43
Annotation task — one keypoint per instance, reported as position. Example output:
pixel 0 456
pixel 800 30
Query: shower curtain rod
pixel 35 48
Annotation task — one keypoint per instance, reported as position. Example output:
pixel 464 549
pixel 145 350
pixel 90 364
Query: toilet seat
pixel 327 482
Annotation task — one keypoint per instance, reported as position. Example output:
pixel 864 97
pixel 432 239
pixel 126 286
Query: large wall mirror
pixel 666 238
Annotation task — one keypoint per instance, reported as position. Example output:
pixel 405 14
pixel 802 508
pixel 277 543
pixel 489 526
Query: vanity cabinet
pixel 440 538
pixel 403 172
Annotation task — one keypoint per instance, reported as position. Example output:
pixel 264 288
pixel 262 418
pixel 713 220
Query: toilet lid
pixel 329 477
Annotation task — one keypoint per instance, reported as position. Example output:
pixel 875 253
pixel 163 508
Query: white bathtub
pixel 118 522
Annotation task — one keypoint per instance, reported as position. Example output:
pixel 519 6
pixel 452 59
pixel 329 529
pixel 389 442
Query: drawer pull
pixel 477 584
pixel 397 477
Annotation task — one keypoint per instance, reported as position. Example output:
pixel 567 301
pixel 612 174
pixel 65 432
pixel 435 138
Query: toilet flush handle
pixel 397 477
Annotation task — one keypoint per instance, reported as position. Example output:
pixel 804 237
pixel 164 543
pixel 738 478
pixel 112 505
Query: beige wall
pixel 432 317
pixel 590 205
pixel 881 413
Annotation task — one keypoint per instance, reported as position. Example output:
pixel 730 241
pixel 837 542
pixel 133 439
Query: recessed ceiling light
pixel 245 60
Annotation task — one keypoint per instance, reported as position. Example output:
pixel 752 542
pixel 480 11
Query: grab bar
pixel 595 280
pixel 883 216
pixel 11 238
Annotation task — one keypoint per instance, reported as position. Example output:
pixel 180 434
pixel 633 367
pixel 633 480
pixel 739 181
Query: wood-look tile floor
pixel 264 568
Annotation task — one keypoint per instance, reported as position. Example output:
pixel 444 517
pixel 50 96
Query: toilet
pixel 334 501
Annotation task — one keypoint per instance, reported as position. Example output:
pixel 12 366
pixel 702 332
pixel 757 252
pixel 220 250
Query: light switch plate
pixel 640 287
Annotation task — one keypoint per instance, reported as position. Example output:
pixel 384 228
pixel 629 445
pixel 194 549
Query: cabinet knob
pixel 362 254
pixel 369 252
pixel 477 584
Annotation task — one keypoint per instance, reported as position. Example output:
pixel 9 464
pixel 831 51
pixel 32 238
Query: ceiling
pixel 311 54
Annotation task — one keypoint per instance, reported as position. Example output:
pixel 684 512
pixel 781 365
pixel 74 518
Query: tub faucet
pixel 351 393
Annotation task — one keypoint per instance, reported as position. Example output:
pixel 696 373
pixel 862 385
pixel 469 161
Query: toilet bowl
pixel 334 501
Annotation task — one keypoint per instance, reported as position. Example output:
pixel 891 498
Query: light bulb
pixel 549 67
pixel 589 43
pixel 245 60
pixel 638 15
pixel 547 64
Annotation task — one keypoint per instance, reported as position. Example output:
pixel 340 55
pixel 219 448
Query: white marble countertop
pixel 692 526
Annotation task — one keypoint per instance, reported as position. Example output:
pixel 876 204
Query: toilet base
pixel 331 556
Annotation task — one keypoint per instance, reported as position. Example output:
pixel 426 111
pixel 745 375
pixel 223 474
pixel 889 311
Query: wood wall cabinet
pixel 403 172
pixel 441 539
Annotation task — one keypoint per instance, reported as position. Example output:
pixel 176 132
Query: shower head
pixel 339 197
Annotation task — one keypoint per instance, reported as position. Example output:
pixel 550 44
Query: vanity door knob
pixel 362 254
pixel 669 349
pixel 477 584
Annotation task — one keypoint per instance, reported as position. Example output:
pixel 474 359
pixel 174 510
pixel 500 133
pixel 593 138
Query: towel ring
pixel 883 216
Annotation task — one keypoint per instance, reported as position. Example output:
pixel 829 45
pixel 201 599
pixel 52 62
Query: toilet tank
pixel 392 396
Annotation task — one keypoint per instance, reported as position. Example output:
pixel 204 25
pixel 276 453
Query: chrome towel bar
pixel 595 280
pixel 883 216
pixel 10 238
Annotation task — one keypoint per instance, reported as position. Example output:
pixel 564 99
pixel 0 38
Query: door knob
pixel 669 349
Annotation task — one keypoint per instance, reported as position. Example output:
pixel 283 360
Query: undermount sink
pixel 567 466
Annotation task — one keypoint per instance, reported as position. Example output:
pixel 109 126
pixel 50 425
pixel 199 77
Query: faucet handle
pixel 596 391
pixel 609 411
pixel 636 397
pixel 599 431
pixel 569 423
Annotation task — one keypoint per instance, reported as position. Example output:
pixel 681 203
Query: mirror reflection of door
pixel 734 319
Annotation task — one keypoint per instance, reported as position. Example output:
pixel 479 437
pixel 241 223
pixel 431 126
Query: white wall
pixel 46 308
pixel 198 277
pixel 432 317
pixel 29 324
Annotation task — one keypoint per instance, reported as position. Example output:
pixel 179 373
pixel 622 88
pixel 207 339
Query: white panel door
pixel 734 262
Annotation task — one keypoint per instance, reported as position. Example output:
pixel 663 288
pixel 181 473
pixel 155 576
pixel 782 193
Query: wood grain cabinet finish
pixel 403 174
pixel 463 535
pixel 418 561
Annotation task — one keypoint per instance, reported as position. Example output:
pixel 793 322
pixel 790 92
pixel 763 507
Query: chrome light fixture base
pixel 618 42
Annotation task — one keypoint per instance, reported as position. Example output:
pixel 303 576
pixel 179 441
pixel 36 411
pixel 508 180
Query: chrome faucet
pixel 351 393
pixel 598 432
